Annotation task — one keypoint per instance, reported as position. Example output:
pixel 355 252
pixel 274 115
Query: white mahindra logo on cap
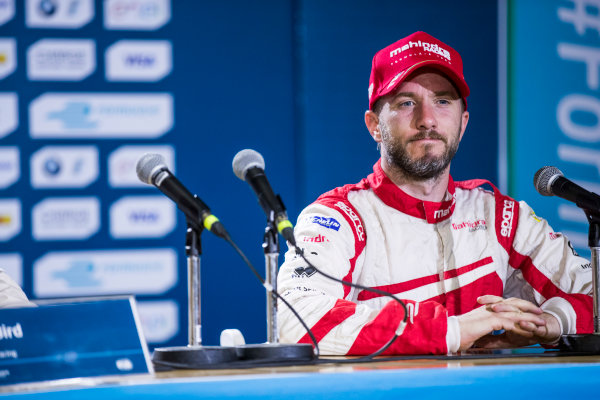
pixel 432 48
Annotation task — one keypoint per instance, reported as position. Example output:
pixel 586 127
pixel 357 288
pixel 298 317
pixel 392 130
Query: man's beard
pixel 425 167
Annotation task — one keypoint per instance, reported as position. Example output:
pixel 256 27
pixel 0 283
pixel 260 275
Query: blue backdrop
pixel 286 78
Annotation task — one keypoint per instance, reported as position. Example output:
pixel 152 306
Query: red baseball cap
pixel 394 63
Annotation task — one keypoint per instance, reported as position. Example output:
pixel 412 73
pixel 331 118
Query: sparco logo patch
pixel 360 231
pixel 507 218
pixel 330 223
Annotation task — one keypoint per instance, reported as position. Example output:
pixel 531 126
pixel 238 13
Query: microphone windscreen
pixel 246 159
pixel 146 165
pixel 543 177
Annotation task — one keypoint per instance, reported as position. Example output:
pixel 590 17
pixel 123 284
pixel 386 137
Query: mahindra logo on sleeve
pixel 360 231
pixel 507 218
pixel 315 239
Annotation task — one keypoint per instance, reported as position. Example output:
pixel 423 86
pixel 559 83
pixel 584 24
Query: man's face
pixel 421 125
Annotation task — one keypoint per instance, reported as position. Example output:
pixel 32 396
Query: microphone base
pixel 274 353
pixel 193 357
pixel 588 343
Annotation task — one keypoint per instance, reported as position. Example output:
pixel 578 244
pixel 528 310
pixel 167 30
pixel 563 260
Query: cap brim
pixel 458 81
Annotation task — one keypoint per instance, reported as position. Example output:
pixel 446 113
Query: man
pixel 466 261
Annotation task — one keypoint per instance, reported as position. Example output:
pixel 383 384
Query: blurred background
pixel 86 87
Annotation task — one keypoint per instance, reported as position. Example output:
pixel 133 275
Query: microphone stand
pixel 194 355
pixel 272 351
pixel 589 343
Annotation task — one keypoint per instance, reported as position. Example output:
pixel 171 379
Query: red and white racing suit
pixel 437 257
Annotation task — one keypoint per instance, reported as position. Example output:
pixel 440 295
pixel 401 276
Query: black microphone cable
pixel 398 331
pixel 299 251
pixel 269 288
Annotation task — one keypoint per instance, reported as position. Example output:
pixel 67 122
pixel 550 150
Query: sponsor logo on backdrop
pixel 122 164
pixel 136 14
pixel 9 113
pixel 142 217
pixel 327 222
pixel 61 59
pixel 10 219
pixel 60 14
pixel 12 264
pixel 101 115
pixel 7 11
pixel 64 166
pixel 10 169
pixel 138 60
pixel 160 320
pixel 104 272
pixel 8 56
pixel 66 218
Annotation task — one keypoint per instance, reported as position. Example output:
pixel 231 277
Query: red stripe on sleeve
pixel 425 332
pixel 581 303
pixel 360 236
pixel 338 314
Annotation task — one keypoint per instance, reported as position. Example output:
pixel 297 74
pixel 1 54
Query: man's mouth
pixel 430 136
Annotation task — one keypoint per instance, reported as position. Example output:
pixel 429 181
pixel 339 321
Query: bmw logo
pixel 48 7
pixel 52 166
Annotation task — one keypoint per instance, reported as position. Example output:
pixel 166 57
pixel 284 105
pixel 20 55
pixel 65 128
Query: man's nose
pixel 425 117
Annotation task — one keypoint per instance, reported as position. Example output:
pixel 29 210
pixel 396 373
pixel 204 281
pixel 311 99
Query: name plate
pixel 84 339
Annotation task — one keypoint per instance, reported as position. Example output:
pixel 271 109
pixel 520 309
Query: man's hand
pixel 524 323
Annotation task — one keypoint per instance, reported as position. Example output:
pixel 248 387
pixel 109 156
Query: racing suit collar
pixel 393 196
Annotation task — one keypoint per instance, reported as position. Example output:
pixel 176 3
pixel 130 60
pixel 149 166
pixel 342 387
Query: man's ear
pixel 372 122
pixel 465 121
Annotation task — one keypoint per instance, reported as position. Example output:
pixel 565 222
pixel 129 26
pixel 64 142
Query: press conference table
pixel 502 374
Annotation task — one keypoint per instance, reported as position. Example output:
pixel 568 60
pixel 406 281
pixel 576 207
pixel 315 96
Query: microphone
pixel 151 169
pixel 249 166
pixel 550 181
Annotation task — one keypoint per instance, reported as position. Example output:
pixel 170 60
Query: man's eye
pixel 444 101
pixel 406 103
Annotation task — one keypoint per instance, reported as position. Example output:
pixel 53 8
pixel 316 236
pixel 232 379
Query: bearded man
pixel 466 261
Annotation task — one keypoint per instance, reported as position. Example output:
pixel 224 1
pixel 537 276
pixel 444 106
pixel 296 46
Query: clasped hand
pixel 523 323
